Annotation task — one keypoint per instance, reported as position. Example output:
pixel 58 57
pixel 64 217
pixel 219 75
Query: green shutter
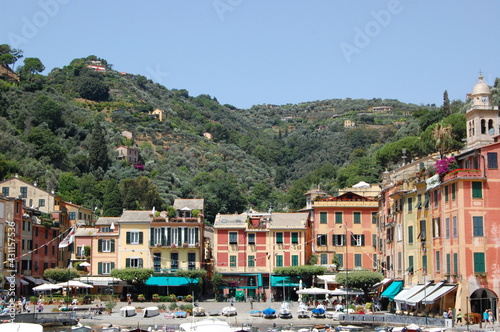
pixel 112 266
pixel 479 263
pixel 162 236
pixel 99 268
pixel 196 235
pixel 323 218
pixel 477 190
pixel 448 263
pixel 141 237
pixel 99 245
pixel 140 263
pixel 128 237
pixel 127 262
pixel 295 237
pixel 295 260
pixel 151 236
pixel 338 217
pixel 169 236
pixel 357 217
pixel 455 263
pixel 251 261
pixel 410 234
pixel 112 245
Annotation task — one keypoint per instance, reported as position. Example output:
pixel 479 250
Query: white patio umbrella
pixel 346 291
pixel 313 291
pixel 85 264
pixel 74 284
pixel 46 287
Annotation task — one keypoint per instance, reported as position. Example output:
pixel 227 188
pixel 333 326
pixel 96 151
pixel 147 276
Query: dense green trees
pixel 359 279
pixel 264 157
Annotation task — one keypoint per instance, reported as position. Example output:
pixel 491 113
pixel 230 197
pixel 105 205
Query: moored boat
pixel 229 311
pixel 206 325
pixel 348 328
pixel 199 311
pixel 269 313
pixel 128 311
pixel 285 311
pixel 80 328
pixel 256 313
pixel 150 312
pixel 21 327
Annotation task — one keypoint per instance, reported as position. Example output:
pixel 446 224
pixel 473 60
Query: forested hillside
pixel 61 130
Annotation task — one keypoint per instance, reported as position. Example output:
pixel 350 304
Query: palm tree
pixel 443 137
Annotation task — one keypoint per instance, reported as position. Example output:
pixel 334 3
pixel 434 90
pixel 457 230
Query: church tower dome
pixel 483 122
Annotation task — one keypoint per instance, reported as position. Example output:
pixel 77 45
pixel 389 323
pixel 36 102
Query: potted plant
pixel 162 307
pixel 141 297
pixel 110 305
pixel 156 297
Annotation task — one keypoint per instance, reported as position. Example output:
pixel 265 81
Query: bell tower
pixel 483 121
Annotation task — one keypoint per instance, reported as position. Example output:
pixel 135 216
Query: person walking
pixel 485 316
pixel 459 316
pixel 251 302
pixel 491 319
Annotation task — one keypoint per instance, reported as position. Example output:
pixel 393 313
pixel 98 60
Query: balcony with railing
pixel 185 219
pixel 463 173
pixel 169 244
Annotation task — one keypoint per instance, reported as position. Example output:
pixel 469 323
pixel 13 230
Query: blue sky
pixel 247 52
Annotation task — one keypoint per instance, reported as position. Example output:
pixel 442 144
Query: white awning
pixel 329 279
pixel 403 296
pixel 423 294
pixel 439 293
pixel 99 281
pixel 383 282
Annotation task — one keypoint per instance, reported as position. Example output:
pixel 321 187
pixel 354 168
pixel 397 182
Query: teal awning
pixel 170 281
pixel 393 290
pixel 286 281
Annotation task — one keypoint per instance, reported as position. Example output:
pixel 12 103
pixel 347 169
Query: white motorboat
pixel 127 311
pixel 348 328
pixel 229 311
pixel 111 329
pixel 80 328
pixel 199 311
pixel 21 327
pixel 303 311
pixel 256 313
pixel 150 312
pixel 206 325
pixel 285 311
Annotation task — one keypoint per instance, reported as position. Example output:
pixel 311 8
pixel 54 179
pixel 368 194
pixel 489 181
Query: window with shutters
pixel 453 191
pixel 340 257
pixel 134 263
pixel 191 261
pixel 157 262
pixel 105 268
pixel 232 261
pixel 322 240
pixel 323 217
pixel 323 259
pixel 357 217
pixel 134 237
pixel 479 262
pixel 106 245
pixel 477 224
pixel 374 217
pixel 338 240
pixel 295 238
pixel 424 264
pixel 24 192
pixel 338 217
pixel 438 261
pixel 251 238
pixel 410 204
pixel 279 260
pixel 357 240
pixel 477 190
pixel 233 238
pixel 436 198
pixel 357 260
pixel 279 238
pixel 295 260
pixel 446 196
pixel 251 261
pixel 447 228
pixel 455 229
pixel 174 261
pixel 410 234
pixel 5 191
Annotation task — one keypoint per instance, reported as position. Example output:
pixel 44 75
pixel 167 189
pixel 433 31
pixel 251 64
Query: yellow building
pixel 133 246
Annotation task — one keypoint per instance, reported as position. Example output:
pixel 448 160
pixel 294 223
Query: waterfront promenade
pixel 243 317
